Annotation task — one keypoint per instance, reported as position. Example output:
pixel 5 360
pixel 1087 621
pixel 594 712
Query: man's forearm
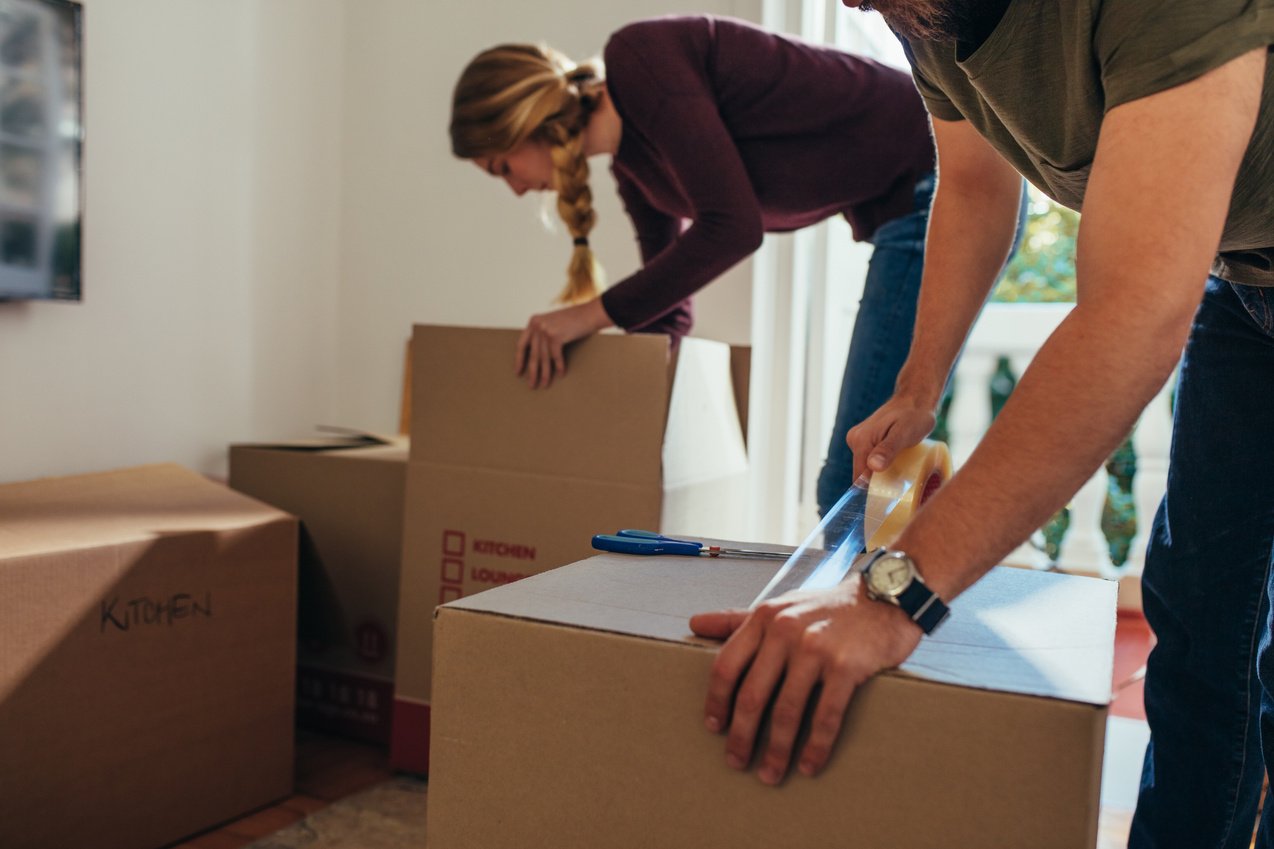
pixel 971 230
pixel 1077 401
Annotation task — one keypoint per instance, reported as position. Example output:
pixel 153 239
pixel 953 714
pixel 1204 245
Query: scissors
pixel 649 542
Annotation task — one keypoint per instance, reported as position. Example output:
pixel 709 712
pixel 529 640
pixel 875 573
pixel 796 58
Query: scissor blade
pixel 754 554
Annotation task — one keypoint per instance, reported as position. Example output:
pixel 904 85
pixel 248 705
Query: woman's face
pixel 526 168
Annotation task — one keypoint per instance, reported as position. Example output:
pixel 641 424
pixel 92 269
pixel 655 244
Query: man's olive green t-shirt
pixel 1038 87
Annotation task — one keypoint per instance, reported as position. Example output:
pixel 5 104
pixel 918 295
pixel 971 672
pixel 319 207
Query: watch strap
pixel 923 605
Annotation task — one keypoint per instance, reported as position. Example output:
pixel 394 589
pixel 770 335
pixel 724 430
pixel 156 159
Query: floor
pixel 329 769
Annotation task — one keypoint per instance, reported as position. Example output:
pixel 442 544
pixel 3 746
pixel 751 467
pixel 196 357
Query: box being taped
pixel 506 481
pixel 568 712
pixel 147 648
pixel 348 494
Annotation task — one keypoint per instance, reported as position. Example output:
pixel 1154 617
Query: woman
pixel 717 132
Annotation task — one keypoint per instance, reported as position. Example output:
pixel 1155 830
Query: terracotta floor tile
pixel 341 780
pixel 1133 641
pixel 304 805
pixel 265 822
pixel 219 839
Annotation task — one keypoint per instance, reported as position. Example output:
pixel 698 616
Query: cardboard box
pixel 147 636
pixel 348 494
pixel 505 481
pixel 568 712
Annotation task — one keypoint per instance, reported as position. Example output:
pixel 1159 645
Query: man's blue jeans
pixel 882 333
pixel 1207 588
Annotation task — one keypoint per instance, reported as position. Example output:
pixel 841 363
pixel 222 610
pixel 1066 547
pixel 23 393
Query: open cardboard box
pixel 568 712
pixel 505 481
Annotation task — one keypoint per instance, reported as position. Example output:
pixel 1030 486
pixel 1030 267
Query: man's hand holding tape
pixel 1072 407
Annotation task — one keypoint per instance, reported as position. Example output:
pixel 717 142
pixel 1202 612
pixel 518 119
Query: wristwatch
pixel 891 576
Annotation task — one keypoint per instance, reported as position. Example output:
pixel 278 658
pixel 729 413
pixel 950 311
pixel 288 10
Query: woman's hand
pixel 804 647
pixel 539 354
pixel 901 422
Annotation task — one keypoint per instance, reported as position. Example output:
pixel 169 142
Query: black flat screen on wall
pixel 41 148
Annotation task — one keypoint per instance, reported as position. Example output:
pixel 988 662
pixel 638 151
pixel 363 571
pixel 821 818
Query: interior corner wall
pixel 210 242
pixel 426 238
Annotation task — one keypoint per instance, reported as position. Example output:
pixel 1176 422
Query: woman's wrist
pixel 599 318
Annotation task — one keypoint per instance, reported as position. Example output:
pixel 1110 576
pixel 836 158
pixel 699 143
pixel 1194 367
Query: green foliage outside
pixel 1043 271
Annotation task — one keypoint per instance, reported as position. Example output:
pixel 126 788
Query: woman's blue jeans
pixel 1206 588
pixel 882 333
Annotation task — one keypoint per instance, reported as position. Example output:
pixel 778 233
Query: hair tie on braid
pixel 581 241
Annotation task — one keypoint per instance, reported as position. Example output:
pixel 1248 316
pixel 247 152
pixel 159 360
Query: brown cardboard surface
pixel 147 618
pixel 349 498
pixel 506 481
pixel 996 638
pixel 556 725
pixel 476 529
pixel 88 511
pixel 464 377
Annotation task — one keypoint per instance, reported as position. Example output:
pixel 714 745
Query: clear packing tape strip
pixel 870 515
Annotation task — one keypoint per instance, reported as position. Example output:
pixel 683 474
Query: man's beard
pixel 924 20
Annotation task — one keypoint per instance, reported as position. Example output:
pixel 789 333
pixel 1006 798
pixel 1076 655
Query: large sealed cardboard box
pixel 147 636
pixel 568 712
pixel 348 494
pixel 506 481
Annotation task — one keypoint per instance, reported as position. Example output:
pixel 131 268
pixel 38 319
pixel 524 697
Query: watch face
pixel 890 575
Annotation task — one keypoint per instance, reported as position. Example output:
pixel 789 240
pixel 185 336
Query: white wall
pixel 430 239
pixel 210 255
pixel 271 203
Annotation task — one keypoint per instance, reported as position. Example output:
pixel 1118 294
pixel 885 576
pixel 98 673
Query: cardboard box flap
pixel 470 409
pixel 58 514
pixel 358 448
pixel 335 439
pixel 704 439
pixel 1015 631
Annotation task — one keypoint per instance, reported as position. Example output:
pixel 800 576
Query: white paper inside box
pixel 584 683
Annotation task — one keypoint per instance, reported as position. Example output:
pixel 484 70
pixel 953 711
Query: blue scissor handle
pixel 644 542
pixel 629 532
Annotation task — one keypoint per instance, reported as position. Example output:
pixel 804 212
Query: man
pixel 1157 116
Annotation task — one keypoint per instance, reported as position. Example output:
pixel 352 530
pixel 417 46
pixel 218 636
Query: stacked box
pixel 348 494
pixel 506 481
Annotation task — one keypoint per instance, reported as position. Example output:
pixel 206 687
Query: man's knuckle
pixel 766 611
pixel 814 641
pixel 827 723
pixel 786 714
pixel 789 625
pixel 816 752
pixel 725 669
pixel 749 702
pixel 843 665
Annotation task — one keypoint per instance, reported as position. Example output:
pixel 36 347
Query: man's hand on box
pixel 812 648
pixel 540 348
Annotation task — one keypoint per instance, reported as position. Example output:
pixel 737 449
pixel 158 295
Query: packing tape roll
pixel 895 494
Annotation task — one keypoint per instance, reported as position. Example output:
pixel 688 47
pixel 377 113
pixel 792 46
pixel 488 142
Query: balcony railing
pixel 1103 530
